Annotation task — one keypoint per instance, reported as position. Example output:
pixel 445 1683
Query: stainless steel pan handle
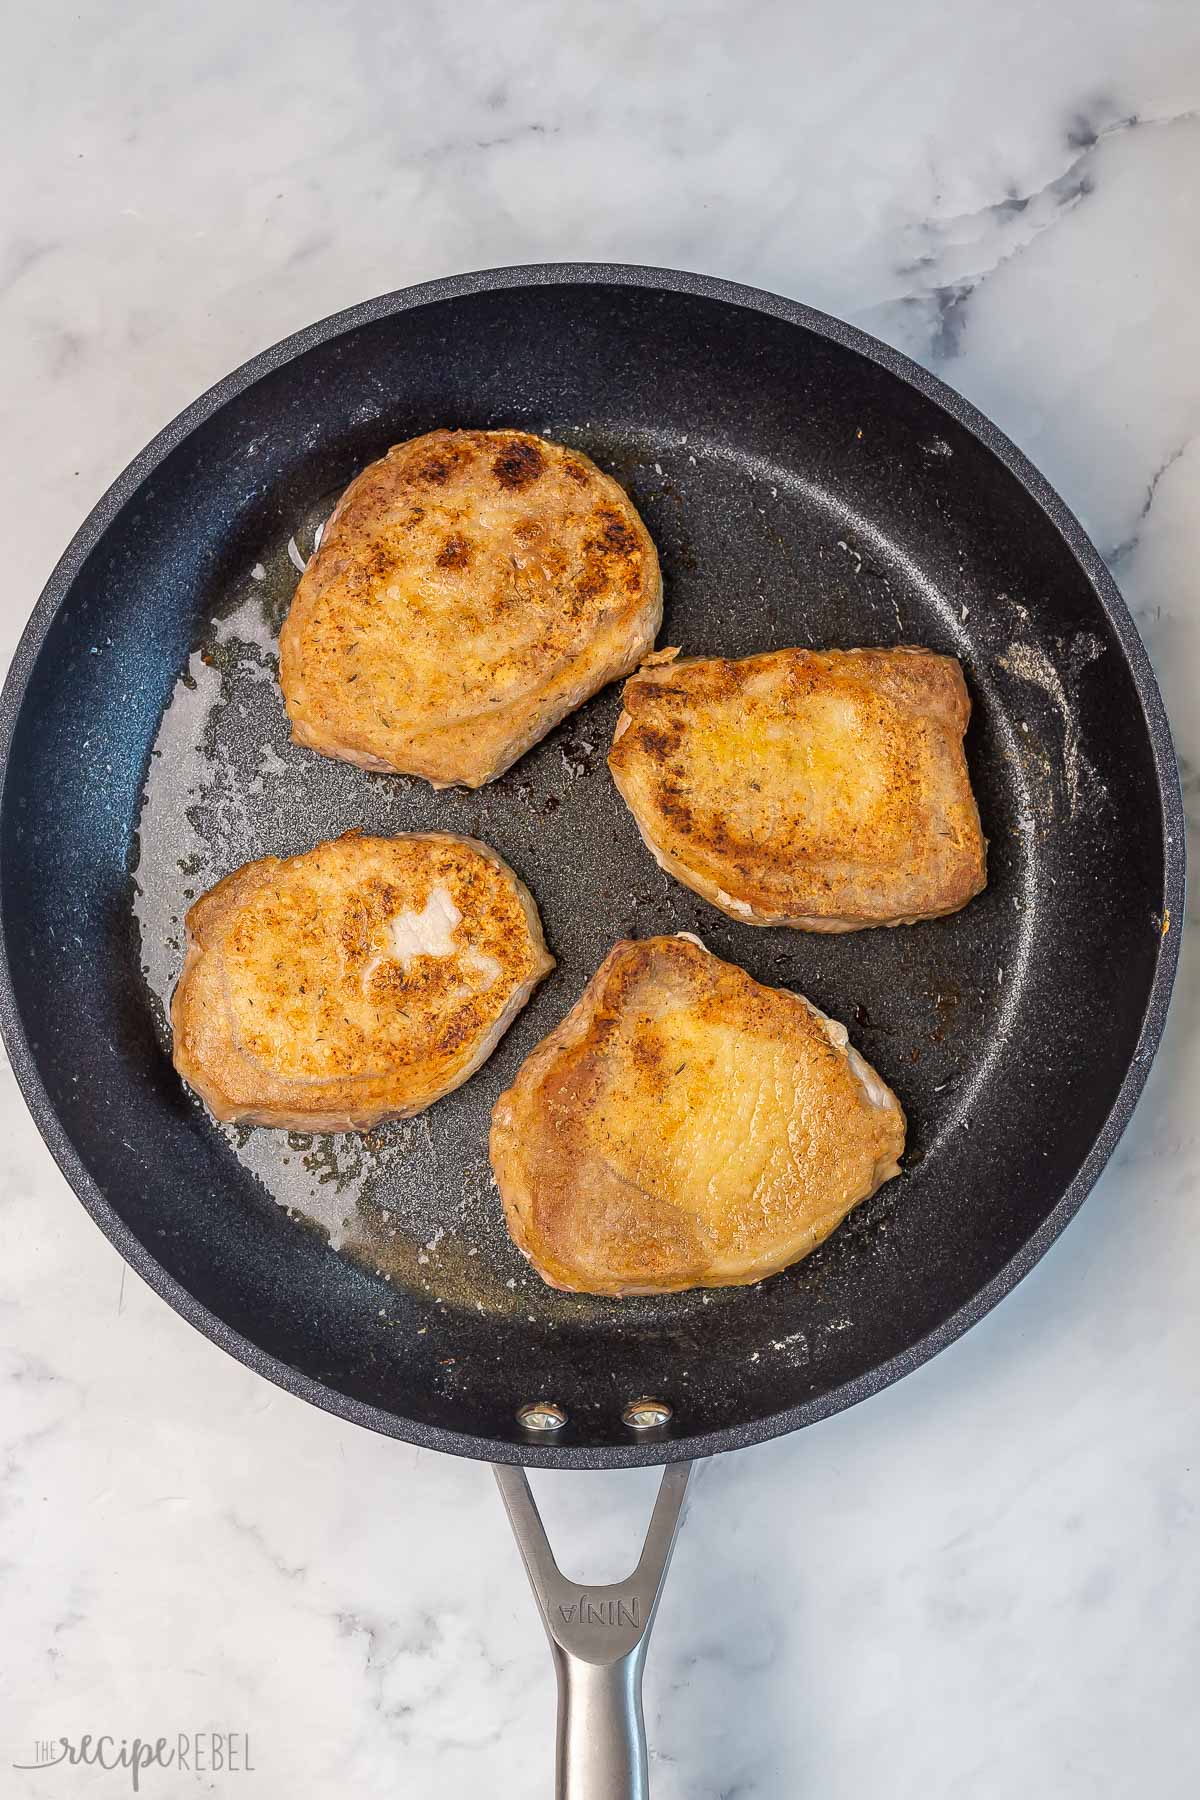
pixel 598 1637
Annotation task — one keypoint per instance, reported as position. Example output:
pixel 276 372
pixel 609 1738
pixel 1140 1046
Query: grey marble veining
pixel 983 1582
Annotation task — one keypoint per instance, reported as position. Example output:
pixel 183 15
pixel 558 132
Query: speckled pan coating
pixel 805 485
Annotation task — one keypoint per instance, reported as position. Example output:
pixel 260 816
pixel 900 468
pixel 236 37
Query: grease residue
pixel 225 785
pixel 1030 663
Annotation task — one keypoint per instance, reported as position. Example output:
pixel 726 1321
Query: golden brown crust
pixel 826 790
pixel 355 983
pixel 470 590
pixel 686 1127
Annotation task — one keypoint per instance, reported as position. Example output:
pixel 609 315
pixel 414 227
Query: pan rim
pixel 1084 552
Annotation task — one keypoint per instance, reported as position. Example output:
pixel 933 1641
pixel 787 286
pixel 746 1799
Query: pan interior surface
pixel 799 492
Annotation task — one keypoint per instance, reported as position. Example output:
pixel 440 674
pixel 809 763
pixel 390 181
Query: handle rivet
pixel 542 1415
pixel 646 1414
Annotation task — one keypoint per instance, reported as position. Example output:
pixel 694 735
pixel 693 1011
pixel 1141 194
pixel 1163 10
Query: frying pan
pixel 805 485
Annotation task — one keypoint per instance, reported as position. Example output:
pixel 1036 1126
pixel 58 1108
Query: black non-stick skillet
pixel 805 485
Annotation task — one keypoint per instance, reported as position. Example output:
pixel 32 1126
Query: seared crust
pixel 821 789
pixel 355 983
pixel 470 590
pixel 686 1127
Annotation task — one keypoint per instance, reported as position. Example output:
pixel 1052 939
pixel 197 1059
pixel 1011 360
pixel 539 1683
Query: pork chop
pixel 821 789
pixel 687 1127
pixel 358 982
pixel 471 588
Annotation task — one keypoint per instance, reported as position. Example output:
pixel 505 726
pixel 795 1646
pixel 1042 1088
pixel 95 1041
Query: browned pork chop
pixel 686 1127
pixel 358 982
pixel 470 590
pixel 821 789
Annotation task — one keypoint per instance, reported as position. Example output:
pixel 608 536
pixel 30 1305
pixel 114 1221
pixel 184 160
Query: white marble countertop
pixel 983 1582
